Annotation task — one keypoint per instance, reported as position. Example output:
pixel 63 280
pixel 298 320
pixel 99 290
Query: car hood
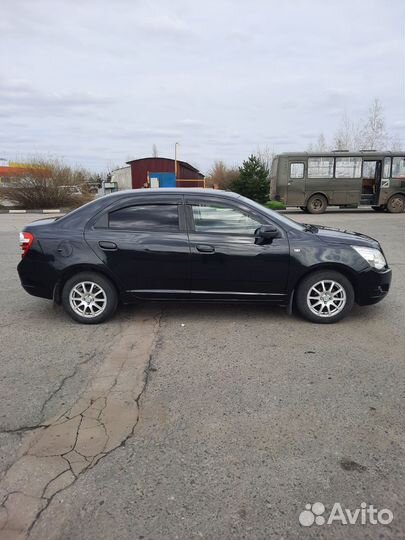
pixel 342 236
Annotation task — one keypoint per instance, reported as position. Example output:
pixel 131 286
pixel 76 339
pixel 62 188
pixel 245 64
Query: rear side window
pixel 320 167
pixel 296 170
pixel 150 217
pixel 348 167
pixel 398 167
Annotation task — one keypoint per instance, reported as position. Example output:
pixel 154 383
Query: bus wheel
pixel 378 208
pixel 317 204
pixel 396 204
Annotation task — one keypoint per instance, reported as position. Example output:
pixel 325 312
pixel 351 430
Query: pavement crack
pixel 101 420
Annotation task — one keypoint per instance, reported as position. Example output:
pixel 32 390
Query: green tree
pixel 253 181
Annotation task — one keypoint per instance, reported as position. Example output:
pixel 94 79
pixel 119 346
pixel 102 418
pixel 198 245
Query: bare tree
pixel 320 146
pixel 348 135
pixel 221 175
pixel 48 184
pixel 373 134
pixel 155 152
pixel 265 155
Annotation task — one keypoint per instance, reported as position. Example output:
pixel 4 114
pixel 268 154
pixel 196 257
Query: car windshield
pixel 276 215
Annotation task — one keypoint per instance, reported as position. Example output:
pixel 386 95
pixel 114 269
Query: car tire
pixel 325 297
pixel 396 204
pixel 317 204
pixel 89 298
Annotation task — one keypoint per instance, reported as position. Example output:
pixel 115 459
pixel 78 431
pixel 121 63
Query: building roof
pixel 183 163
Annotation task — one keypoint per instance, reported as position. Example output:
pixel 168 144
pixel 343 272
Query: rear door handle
pixel 108 246
pixel 205 248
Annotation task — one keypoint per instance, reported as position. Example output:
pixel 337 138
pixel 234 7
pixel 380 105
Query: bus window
pixel 398 167
pixel 320 167
pixel 369 169
pixel 296 170
pixel 348 167
pixel 387 167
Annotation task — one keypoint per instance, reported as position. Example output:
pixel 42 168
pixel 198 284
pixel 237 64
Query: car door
pixel 225 256
pixel 145 245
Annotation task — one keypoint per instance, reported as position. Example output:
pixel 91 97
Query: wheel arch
pixel 317 193
pixel 341 268
pixel 76 269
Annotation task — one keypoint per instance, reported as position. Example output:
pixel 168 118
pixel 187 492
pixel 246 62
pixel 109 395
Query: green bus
pixel 314 181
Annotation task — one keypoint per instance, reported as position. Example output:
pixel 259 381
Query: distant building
pixel 11 171
pixel 160 172
pixel 122 177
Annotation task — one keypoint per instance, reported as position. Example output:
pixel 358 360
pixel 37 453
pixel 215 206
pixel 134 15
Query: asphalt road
pixel 243 416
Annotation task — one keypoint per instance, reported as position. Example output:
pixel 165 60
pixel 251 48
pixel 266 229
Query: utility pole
pixel 176 145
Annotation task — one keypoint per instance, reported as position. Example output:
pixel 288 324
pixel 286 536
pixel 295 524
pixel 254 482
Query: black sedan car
pixel 188 244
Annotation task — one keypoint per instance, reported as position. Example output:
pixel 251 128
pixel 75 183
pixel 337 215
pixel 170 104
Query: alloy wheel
pixel 326 298
pixel 88 299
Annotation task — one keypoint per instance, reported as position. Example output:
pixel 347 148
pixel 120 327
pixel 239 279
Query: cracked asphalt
pixel 200 421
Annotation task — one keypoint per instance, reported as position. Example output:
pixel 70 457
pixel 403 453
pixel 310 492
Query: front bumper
pixel 373 286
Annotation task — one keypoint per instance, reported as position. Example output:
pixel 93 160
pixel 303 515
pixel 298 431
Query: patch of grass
pixel 274 205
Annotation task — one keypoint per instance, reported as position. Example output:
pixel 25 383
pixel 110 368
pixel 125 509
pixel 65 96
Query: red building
pixel 143 169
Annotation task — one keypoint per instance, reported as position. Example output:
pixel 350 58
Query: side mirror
pixel 266 233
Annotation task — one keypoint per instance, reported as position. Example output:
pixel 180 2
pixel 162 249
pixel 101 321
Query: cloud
pixel 163 23
pixel 100 80
pixel 21 96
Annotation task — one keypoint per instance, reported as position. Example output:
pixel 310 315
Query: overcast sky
pixel 98 82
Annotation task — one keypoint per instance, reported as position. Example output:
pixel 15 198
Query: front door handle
pixel 108 246
pixel 205 248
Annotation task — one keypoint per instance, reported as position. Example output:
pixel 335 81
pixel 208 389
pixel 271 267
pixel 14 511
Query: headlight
pixel 374 257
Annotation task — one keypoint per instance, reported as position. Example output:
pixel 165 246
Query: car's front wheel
pixel 325 297
pixel 89 298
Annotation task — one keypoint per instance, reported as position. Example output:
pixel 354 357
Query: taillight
pixel 26 240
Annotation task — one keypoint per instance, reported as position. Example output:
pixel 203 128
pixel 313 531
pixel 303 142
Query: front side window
pixel 348 167
pixel 223 219
pixel 296 170
pixel 320 167
pixel 398 167
pixel 148 217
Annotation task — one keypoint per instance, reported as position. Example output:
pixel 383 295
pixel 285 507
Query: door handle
pixel 108 246
pixel 205 248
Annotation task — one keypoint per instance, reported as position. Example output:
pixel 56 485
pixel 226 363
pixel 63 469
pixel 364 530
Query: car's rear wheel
pixel 325 297
pixel 317 204
pixel 396 204
pixel 89 298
